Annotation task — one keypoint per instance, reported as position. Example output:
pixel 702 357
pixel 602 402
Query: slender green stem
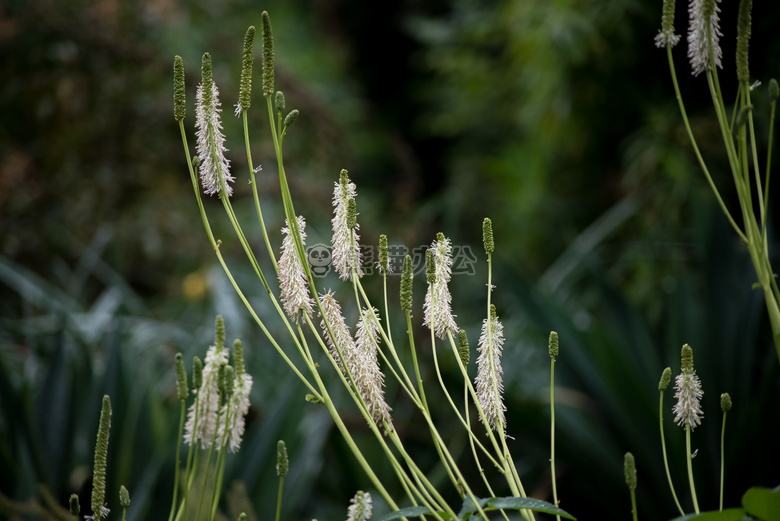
pixel 633 505
pixel 178 463
pixel 663 447
pixel 220 466
pixel 552 433
pixel 279 498
pixel 690 468
pixel 722 465
pixel 208 463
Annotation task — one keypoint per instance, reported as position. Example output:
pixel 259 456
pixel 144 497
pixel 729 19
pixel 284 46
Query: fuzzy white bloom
pixel 687 391
pixel 664 38
pixel 438 301
pixel 346 250
pixel 207 401
pixel 703 15
pixel 211 144
pixel 293 285
pixel 368 377
pixel 360 508
pixel 239 407
pixel 490 386
pixel 343 338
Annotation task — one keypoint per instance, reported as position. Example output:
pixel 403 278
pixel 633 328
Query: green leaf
pixel 730 514
pixel 512 503
pixel 763 503
pixel 406 512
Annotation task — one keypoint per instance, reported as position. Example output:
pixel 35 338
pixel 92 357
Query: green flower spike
pixel 230 380
pixel 774 90
pixel 268 56
pixel 245 89
pixel 290 119
pixel 221 378
pixel 179 96
pixel 181 378
pixel 743 40
pixel 282 462
pixel 101 455
pixel 629 468
pixel 384 259
pixel 464 352
pixel 279 102
pixel 407 276
pixel 666 377
pixel 124 497
pixel 552 344
pixel 219 335
pixel 430 265
pixel 666 35
pixel 75 508
pixel 197 373
pixel 242 516
pixel 725 402
pixel 238 358
pixel 351 213
pixel 487 236
pixel 207 79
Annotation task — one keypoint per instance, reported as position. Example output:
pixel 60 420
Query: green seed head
pixel 245 90
pixel 743 40
pixel 179 105
pixel 487 235
pixel 219 334
pixel 464 352
pixel 725 402
pixel 124 497
pixel 351 213
pixel 290 119
pixel 279 102
pixel 629 467
pixel 383 255
pixel 430 265
pixel 207 80
pixel 552 344
pixel 686 359
pixel 666 377
pixel 268 56
pixel 230 380
pixel 181 378
pixel 221 378
pixel 406 284
pixel 75 508
pixel 238 358
pixel 101 457
pixel 282 462
pixel 774 90
pixel 197 373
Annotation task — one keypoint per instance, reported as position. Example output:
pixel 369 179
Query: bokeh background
pixel 555 119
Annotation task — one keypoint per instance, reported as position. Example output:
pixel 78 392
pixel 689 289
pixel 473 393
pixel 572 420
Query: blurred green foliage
pixel 555 119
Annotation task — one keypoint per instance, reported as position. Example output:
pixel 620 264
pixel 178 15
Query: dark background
pixel 555 119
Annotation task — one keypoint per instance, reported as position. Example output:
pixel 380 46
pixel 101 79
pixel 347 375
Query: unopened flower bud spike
pixel 182 392
pixel 282 466
pixel 124 501
pixel 725 406
pixel 247 61
pixel 75 508
pixel 553 349
pixel 687 410
pixel 629 469
pixel 101 456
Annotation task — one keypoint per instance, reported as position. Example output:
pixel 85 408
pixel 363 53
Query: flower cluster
pixel 293 285
pixel 489 381
pixel 438 301
pixel 214 166
pixel 346 250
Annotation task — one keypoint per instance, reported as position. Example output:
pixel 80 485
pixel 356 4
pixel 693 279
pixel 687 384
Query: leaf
pixel 763 503
pixel 513 503
pixel 406 512
pixel 730 514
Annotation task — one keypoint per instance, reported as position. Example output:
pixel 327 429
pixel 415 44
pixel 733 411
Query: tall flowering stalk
pixel 207 405
pixel 293 285
pixel 687 410
pixel 214 167
pixel 438 301
pixel 704 35
pixel 346 250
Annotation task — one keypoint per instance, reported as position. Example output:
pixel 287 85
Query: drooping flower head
pixel 702 31
pixel 438 301
pixel 293 284
pixel 688 393
pixel 368 377
pixel 346 250
pixel 490 386
pixel 214 167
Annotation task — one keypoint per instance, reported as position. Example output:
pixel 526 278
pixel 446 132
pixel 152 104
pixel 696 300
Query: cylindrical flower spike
pixel 239 387
pixel 282 462
pixel 407 276
pixel 293 284
pixel 197 373
pixel 464 352
pixel 489 381
pixel 629 469
pixel 487 236
pixel 219 331
pixel 666 377
pixel 290 118
pixel 743 40
pixel 725 402
pixel 124 497
pixel 279 102
pixel 75 508
pixel 342 337
pixel 181 378
pixel 438 301
pixel 666 35
pixel 552 344
pixel 238 358
pixel 368 377
pixel 703 32
pixel 207 402
pixel 268 56
pixel 774 90
pixel 384 258
pixel 247 61
pixel 346 249
pixel 101 457
pixel 179 92
pixel 214 167
pixel 688 393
